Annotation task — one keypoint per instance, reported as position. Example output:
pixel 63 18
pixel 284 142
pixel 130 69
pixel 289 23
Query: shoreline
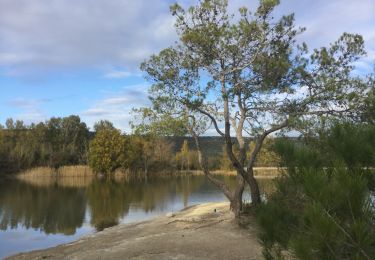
pixel 85 171
pixel 204 231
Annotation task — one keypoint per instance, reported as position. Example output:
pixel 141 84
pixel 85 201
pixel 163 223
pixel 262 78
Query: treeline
pixel 68 141
pixel 110 150
pixel 54 143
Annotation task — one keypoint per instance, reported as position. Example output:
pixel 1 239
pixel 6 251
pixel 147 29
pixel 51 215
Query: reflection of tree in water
pixel 57 209
pixel 108 202
pixel 51 209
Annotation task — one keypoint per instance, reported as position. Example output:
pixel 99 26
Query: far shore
pixel 85 171
pixel 197 232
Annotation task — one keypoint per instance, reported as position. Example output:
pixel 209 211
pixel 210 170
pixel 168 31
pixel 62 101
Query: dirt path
pixel 194 233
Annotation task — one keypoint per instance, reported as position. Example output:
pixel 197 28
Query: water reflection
pixel 52 209
pixel 62 207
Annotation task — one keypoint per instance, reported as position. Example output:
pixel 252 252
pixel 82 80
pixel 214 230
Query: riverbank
pixel 205 231
pixel 85 171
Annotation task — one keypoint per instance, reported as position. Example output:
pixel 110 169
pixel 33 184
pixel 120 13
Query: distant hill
pixel 212 146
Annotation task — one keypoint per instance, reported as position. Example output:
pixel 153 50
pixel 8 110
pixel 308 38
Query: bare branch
pixel 212 119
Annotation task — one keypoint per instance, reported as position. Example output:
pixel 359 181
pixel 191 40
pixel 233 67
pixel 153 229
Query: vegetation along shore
pixel 238 109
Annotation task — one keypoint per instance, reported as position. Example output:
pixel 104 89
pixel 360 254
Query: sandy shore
pixel 206 231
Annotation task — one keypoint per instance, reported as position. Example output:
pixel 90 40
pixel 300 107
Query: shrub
pixel 321 208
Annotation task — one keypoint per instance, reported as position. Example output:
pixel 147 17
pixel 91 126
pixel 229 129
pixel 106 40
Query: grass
pixel 65 171
pixel 67 176
pixel 47 181
pixel 80 175
pixel 261 172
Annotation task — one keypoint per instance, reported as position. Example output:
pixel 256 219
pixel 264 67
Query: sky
pixel 81 57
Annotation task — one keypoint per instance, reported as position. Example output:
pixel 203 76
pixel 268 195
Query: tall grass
pixel 67 176
pixel 65 171
pixel 47 181
pixel 261 172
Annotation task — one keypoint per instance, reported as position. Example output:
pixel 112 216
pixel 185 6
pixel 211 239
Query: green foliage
pixel 267 156
pixel 107 151
pixel 369 105
pixel 322 208
pixel 103 125
pixel 347 144
pixel 56 142
pixel 148 122
pixel 246 72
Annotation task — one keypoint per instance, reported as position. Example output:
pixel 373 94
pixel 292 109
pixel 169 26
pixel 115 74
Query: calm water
pixel 44 213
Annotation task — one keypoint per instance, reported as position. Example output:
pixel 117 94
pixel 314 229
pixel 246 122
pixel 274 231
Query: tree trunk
pixel 254 188
pixel 235 198
pixel 146 169
pixel 236 201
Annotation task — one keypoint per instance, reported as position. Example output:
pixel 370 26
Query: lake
pixel 45 212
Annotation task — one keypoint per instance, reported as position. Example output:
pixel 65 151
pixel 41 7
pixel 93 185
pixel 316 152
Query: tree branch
pixel 260 141
pixel 212 119
pixel 203 164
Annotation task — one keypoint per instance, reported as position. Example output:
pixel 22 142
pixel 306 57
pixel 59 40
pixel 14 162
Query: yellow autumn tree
pixel 183 157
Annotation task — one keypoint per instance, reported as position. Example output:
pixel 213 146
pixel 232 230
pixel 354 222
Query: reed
pixel 260 172
pixel 75 171
pixel 65 171
pixel 38 172
pixel 47 181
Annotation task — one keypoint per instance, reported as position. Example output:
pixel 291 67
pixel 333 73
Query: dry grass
pixel 65 171
pixel 80 176
pixel 67 176
pixel 72 182
pixel 38 172
pixel 75 171
pixel 260 172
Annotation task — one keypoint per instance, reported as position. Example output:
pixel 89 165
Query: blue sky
pixel 62 57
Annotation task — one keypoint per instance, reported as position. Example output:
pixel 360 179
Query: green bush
pixel 321 208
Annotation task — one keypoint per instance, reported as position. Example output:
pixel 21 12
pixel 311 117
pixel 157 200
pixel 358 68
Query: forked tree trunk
pixel 235 197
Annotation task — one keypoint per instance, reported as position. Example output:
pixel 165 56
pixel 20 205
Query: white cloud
pixel 116 107
pixel 39 36
pixel 29 110
pixel 117 74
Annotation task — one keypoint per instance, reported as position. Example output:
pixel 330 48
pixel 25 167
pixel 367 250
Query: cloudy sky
pixel 62 57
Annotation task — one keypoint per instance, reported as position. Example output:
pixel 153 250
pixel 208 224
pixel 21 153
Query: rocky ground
pixel 206 231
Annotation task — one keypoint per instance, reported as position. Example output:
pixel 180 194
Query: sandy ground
pixel 197 232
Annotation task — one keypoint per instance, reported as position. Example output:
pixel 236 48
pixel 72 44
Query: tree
pixel 75 136
pixel 266 156
pixel 107 151
pixel 246 73
pixel 150 130
pixel 321 207
pixel 369 105
pixel 103 125
pixel 148 122
pixel 58 141
pixel 184 155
